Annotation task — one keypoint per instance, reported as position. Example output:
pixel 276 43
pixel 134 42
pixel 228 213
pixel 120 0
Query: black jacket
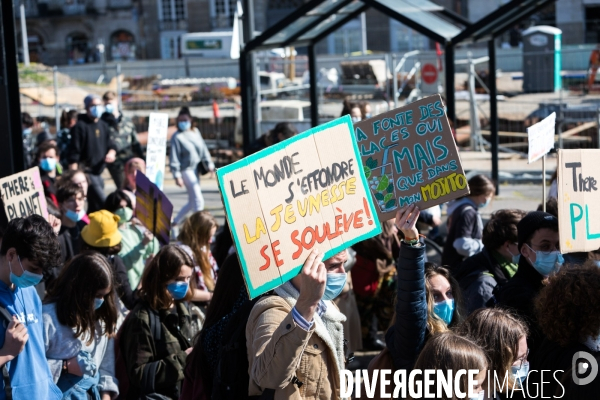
pixel 519 294
pixel 123 287
pixel 90 141
pixel 551 356
pixel 406 338
pixel 464 222
pixel 478 275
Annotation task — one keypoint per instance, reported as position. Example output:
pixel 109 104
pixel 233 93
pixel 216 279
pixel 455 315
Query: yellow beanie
pixel 102 230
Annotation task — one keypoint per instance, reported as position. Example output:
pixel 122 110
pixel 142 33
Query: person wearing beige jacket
pixel 295 338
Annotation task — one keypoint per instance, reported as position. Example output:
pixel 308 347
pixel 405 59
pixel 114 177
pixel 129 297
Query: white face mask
pixel 480 396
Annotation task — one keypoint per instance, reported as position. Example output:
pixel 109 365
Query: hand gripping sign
pixel 410 156
pixel 308 191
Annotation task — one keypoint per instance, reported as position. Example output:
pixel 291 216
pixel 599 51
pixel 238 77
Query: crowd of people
pixel 95 307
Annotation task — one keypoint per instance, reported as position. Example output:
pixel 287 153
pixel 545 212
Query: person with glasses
pixel 503 336
pixel 568 314
pixel 478 275
pixel 539 258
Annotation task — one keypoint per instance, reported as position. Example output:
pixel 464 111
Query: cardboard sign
pixel 308 191
pixel 579 200
pixel 156 150
pixel 541 138
pixel 23 194
pixel 153 208
pixel 409 156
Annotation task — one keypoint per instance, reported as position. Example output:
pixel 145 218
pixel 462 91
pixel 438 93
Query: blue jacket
pixel 29 372
pixel 406 338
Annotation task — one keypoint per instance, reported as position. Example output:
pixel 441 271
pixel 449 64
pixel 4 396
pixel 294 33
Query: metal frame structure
pixel 448 29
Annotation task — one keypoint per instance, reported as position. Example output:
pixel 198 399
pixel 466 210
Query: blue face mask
pixel 520 374
pixel 48 164
pixel 178 289
pixel 444 310
pixel 96 111
pixel 515 257
pixel 26 279
pixel 184 125
pixel 27 131
pixel 98 303
pixel 480 396
pixel 74 216
pixel 545 264
pixel 110 108
pixel 334 286
pixel 482 205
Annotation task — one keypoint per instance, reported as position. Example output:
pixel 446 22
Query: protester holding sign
pixel 479 274
pixel 428 298
pixel 137 243
pixel 91 148
pixel 79 343
pixel 295 339
pixel 465 228
pixel 29 248
pixel 156 337
pixel 188 149
pixel 48 158
pixel 538 247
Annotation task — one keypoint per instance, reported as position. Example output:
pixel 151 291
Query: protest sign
pixel 308 191
pixel 23 194
pixel 156 149
pixel 409 156
pixel 579 200
pixel 153 208
pixel 541 138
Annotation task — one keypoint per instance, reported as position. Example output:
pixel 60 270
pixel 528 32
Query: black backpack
pixel 6 319
pixel 231 380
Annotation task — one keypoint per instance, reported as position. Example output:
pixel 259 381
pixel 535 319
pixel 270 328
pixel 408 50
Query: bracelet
pixel 411 242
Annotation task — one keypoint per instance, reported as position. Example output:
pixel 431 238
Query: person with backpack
pixel 295 339
pixel 80 321
pixel 479 274
pixel 217 368
pixel 156 337
pixel 465 227
pixel 188 149
pixel 29 248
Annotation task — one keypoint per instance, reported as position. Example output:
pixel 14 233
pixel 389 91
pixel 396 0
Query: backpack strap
pixel 6 318
pixel 149 371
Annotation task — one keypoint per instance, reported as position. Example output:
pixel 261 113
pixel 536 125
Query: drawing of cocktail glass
pixel 381 183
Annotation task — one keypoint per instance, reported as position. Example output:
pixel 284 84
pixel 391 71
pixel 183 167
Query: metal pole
pixel 56 111
pixel 450 97
pixel 395 81
pixel 24 35
pixel 493 113
pixel 314 99
pixel 474 115
pixel 544 181
pixel 363 31
pixel 387 81
pixel 187 66
pixel 119 88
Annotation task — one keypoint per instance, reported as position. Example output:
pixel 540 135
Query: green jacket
pixel 139 349
pixel 134 255
pixel 124 135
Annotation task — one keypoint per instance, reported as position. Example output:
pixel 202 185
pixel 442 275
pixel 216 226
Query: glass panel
pixel 419 12
pixel 291 30
pixel 327 6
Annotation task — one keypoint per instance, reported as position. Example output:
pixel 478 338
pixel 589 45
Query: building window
pixel 172 10
pixel 222 13
pixel 122 46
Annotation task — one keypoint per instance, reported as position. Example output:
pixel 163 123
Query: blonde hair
pixel 434 323
pixel 195 233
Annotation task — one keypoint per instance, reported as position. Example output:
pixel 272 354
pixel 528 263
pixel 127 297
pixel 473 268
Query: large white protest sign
pixel 308 191
pixel 541 138
pixel 156 150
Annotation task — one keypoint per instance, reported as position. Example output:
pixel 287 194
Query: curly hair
pixel 501 227
pixel 565 308
pixel 435 323
pixel 498 332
